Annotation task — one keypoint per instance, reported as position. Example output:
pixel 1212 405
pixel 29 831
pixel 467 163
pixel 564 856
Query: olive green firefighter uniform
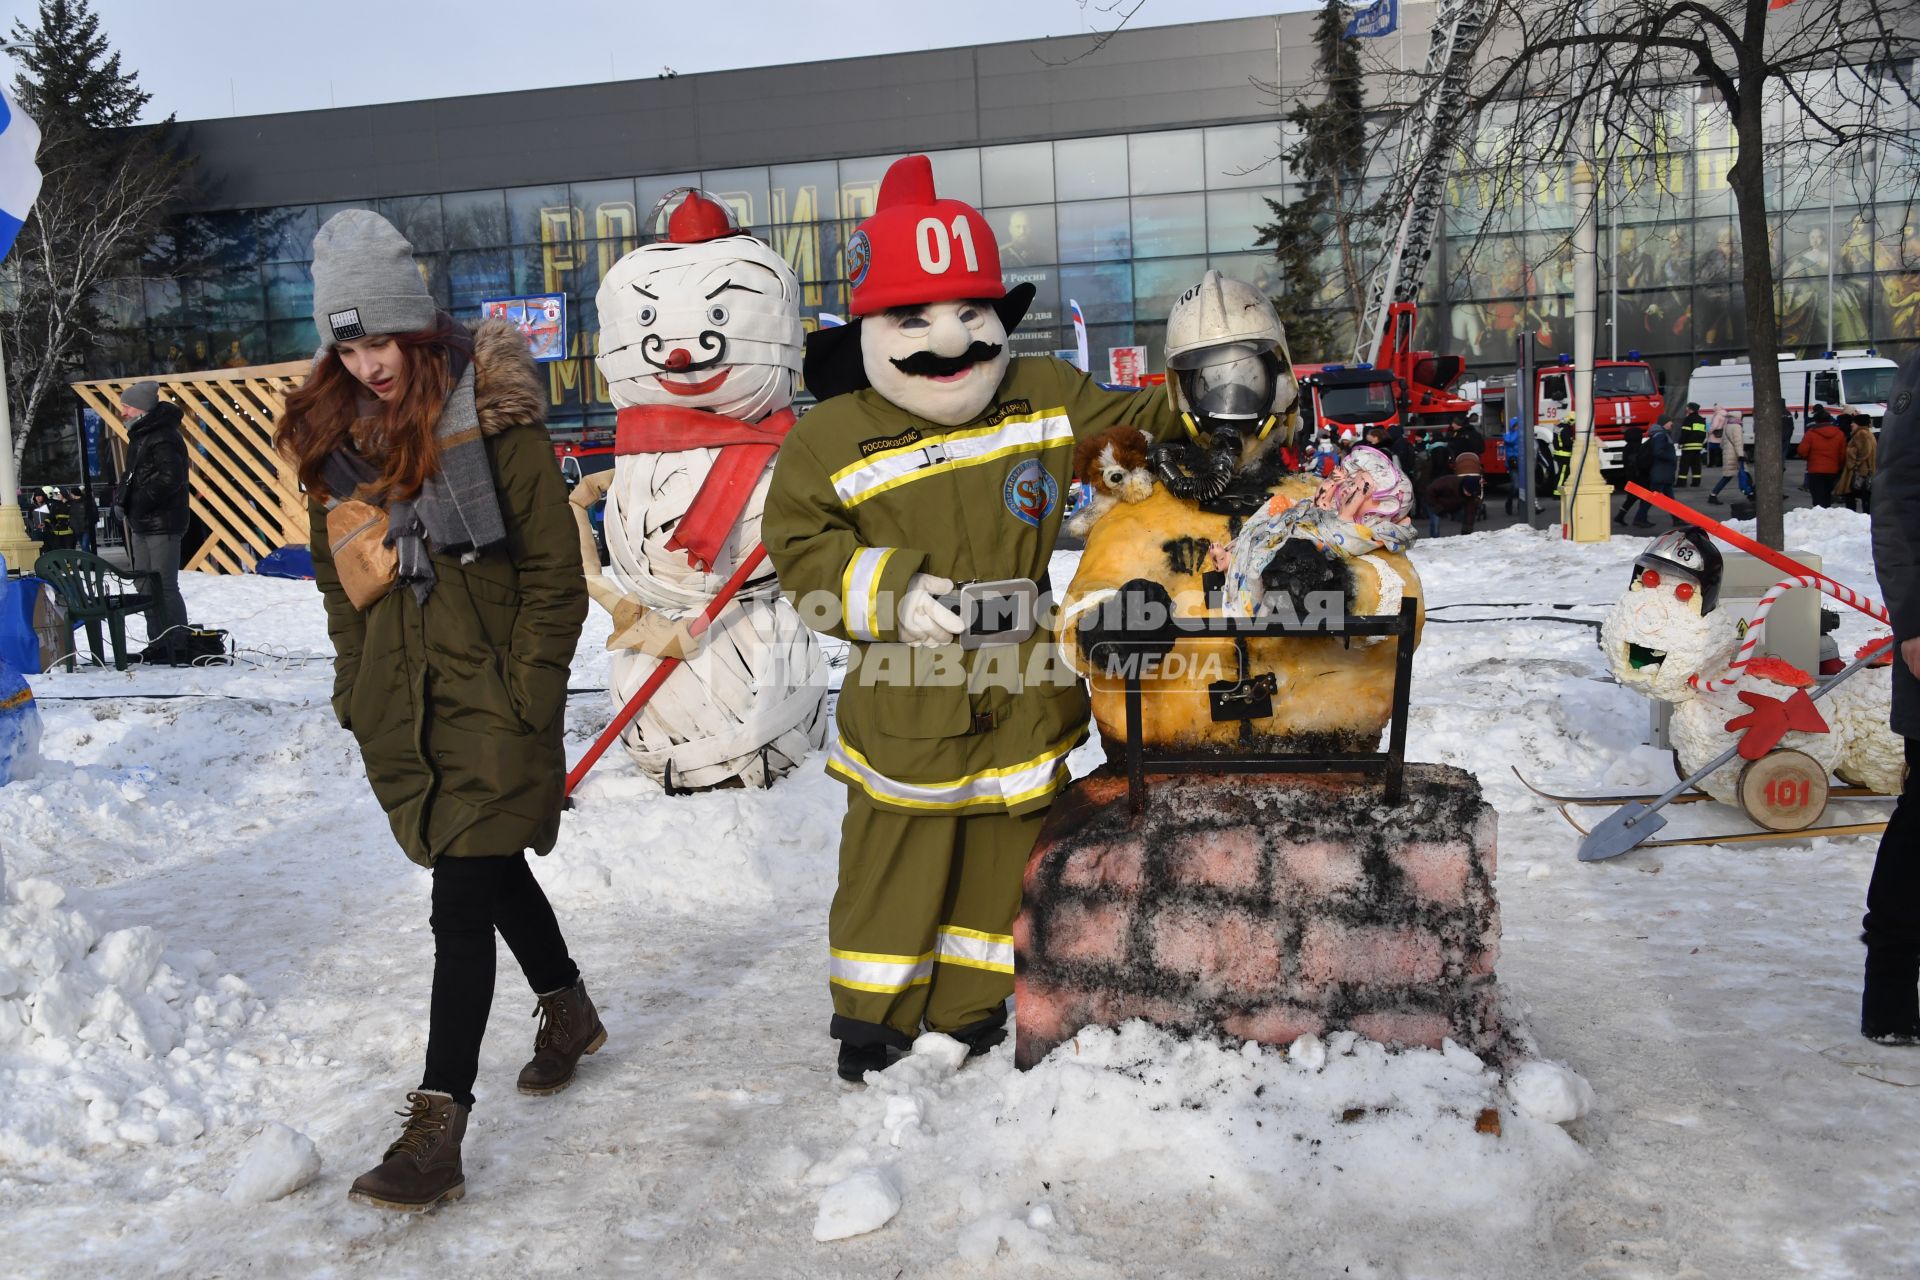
pixel 950 758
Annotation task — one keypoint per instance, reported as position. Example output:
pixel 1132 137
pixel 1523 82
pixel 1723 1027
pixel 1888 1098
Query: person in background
pixel 1716 438
pixel 1467 437
pixel 1890 995
pixel 453 635
pixel 1466 466
pixel 1855 485
pixel 153 502
pixel 1514 456
pixel 1633 465
pixel 1693 447
pixel 1733 456
pixel 89 512
pixel 1562 453
pixel 1825 449
pixel 1660 463
pixel 58 524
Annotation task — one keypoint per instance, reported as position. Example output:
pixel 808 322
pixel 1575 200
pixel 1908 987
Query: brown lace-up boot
pixel 422 1167
pixel 569 1027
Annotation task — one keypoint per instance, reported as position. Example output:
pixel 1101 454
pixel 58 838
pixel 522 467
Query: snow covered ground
pixel 206 932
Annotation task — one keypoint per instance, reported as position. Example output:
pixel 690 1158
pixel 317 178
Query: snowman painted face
pixel 1657 635
pixel 941 362
pixel 712 325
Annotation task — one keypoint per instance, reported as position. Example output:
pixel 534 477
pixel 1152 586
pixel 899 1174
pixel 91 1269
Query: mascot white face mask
pixel 940 362
pixel 701 324
pixel 931 313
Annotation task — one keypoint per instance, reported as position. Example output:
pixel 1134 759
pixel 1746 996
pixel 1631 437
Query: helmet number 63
pixel 936 255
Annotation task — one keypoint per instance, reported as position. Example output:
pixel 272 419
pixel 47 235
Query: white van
pixel 1860 380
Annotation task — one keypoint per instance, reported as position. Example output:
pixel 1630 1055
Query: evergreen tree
pixel 69 78
pixel 1330 162
pixel 107 186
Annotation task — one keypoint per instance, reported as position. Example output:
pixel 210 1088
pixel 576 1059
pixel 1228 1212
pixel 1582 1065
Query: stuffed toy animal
pixel 1112 467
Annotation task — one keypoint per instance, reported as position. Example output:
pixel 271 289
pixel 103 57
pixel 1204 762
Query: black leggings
pixel 1893 895
pixel 471 898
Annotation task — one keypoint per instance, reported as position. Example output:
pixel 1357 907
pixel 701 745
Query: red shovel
pixel 665 668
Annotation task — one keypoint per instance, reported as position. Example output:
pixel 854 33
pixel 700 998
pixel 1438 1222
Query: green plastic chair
pixel 93 591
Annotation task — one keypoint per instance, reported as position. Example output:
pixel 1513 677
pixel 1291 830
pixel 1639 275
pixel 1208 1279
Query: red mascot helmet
pixel 918 248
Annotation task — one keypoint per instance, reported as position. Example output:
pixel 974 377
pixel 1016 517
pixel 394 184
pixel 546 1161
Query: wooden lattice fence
pixel 239 486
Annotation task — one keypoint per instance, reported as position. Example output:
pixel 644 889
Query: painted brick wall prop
pixel 1263 907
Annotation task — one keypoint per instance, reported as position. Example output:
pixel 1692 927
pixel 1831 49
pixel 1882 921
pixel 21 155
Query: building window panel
pixel 1244 155
pixel 1105 294
pixel 1025 236
pixel 289 291
pixel 1020 174
pixel 802 194
pixel 473 276
pixel 1168 226
pixel 1086 168
pixel 744 191
pixel 956 174
pixel 1158 163
pixel 1234 218
pixel 1157 284
pixel 607 210
pixel 535 213
pixel 417 218
pixel 286 233
pixel 1095 231
pixel 474 219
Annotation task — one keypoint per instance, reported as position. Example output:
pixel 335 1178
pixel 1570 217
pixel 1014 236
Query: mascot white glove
pixel 925 623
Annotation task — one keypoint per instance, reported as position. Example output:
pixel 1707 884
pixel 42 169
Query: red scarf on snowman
pixel 745 449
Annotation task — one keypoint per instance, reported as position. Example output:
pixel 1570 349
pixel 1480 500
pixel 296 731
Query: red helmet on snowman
pixel 915 249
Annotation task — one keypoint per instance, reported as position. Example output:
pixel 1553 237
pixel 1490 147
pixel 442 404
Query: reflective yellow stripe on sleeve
pixel 1027 433
pixel 1008 786
pixel 860 591
pixel 872 971
pixel 976 950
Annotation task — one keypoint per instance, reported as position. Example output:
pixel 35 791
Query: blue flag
pixel 1382 18
pixel 19 175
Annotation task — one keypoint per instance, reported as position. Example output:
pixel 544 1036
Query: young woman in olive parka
pixel 438 506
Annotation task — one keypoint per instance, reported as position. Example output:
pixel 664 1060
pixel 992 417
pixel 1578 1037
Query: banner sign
pixel 1125 365
pixel 541 317
pixel 1382 18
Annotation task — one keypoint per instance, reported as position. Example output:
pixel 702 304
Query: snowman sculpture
pixel 1666 635
pixel 700 343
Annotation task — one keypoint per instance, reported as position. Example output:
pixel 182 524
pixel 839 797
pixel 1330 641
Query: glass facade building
pixel 1119 222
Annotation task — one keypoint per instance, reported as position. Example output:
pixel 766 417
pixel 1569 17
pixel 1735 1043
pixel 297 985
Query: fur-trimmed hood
pixel 506 383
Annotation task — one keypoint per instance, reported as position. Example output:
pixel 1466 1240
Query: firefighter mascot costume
pixel 935 459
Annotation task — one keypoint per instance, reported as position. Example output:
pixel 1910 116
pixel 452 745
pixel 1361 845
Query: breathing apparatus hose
pixel 1191 472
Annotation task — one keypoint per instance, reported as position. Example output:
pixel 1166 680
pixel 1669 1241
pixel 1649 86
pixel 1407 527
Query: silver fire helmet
pixel 1227 353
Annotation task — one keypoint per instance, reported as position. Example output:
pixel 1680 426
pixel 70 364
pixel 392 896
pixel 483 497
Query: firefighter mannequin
pixel 700 344
pixel 933 459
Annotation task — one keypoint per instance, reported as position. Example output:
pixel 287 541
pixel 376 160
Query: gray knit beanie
pixel 365 282
pixel 142 396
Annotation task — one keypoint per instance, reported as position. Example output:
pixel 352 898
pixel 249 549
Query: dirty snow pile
pixel 106 1039
pixel 1329 1130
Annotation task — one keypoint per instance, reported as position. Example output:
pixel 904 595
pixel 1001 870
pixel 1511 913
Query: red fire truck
pixel 1625 394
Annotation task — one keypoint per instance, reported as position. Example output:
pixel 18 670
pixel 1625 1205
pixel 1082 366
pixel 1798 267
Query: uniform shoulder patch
pixel 880 444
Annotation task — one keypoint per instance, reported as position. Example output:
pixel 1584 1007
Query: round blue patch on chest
pixel 1030 492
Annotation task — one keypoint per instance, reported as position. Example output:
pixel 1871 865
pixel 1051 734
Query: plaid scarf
pixel 457 511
